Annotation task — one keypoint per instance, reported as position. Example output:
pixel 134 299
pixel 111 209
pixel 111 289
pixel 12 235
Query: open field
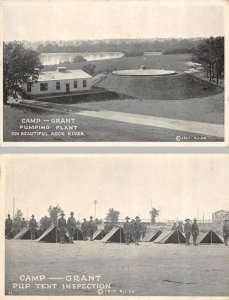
pixel 149 270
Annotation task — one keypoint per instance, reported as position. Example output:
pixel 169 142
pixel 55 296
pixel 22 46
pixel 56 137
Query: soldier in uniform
pixel 91 228
pixel 195 232
pixel 127 230
pixel 8 225
pixel 23 223
pixel 71 225
pixel 137 230
pixel 33 226
pixel 187 231
pixel 62 227
pixel 225 232
pixel 132 230
pixel 84 229
pixel 180 226
pixel 174 226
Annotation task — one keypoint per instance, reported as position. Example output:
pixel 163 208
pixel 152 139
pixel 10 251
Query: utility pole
pixel 95 203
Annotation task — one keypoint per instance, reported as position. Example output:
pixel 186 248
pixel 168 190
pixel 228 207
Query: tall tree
pixel 112 215
pixel 18 214
pixel 20 66
pixel 54 213
pixel 153 214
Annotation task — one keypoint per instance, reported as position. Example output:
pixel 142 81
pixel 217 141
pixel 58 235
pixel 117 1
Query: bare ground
pixel 150 269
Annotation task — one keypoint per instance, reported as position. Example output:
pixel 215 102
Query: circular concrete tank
pixel 143 72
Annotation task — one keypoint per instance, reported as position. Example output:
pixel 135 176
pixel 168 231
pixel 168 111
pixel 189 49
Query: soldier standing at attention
pixel 23 223
pixel 84 229
pixel 71 225
pixel 195 232
pixel 174 226
pixel 62 227
pixel 137 230
pixel 187 231
pixel 127 230
pixel 225 232
pixel 91 228
pixel 8 225
pixel 33 226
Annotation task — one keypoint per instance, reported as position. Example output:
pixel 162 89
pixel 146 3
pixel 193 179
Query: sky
pixel 179 186
pixel 88 20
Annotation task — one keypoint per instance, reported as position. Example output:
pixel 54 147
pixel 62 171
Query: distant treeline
pixel 179 50
pixel 126 45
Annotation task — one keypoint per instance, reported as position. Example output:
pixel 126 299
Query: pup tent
pixel 25 234
pixel 171 237
pixel 51 235
pixel 99 234
pixel 116 235
pixel 152 236
pixel 210 237
pixel 78 236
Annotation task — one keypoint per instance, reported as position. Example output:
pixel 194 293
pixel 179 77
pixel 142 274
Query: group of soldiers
pixel 189 229
pixel 134 230
pixel 14 226
pixel 87 227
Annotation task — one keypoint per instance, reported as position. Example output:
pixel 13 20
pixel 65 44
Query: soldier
pixel 137 230
pixel 225 232
pixel 132 229
pixel 195 232
pixel 71 225
pixel 187 231
pixel 33 226
pixel 8 225
pixel 91 228
pixel 84 226
pixel 62 227
pixel 127 230
pixel 23 223
pixel 180 226
pixel 174 226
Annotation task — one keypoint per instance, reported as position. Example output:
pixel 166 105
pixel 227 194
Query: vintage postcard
pixel 114 73
pixel 115 225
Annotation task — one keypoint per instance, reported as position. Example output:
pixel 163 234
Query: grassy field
pixel 147 270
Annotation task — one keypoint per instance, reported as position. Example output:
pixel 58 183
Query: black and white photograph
pixel 116 225
pixel 92 72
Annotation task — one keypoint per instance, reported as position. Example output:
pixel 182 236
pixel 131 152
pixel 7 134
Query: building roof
pixel 221 211
pixel 66 75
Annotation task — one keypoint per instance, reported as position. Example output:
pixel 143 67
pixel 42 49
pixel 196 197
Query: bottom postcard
pixel 115 225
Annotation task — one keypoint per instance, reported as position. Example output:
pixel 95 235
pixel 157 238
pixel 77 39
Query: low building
pixel 60 81
pixel 220 216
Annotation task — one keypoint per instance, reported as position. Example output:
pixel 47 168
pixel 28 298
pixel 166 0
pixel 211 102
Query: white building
pixel 219 216
pixel 60 81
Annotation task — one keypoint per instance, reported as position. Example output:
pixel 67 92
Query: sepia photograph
pixel 116 225
pixel 114 71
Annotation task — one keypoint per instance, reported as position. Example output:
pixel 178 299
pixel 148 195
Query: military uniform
pixel 187 232
pixel 62 227
pixel 8 226
pixel 84 227
pixel 132 229
pixel 127 230
pixel 226 232
pixel 137 230
pixel 195 232
pixel 33 226
pixel 71 225
pixel 91 228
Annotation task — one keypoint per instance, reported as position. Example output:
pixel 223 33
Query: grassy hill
pixel 174 87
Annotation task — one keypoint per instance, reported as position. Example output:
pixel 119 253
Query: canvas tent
pixel 210 237
pixel 51 235
pixel 25 234
pixel 116 235
pixel 152 235
pixel 99 234
pixel 171 237
pixel 78 236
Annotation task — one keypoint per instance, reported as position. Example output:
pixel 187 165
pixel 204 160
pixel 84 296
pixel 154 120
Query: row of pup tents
pixel 116 235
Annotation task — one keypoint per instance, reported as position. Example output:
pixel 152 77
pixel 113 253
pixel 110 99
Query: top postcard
pixel 114 73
